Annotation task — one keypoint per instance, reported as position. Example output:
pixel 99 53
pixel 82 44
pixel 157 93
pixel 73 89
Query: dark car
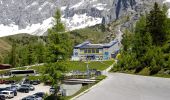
pixel 7 82
pixel 27 81
pixel 40 94
pixel 35 82
pixel 24 89
pixel 2 97
pixel 27 98
pixel 29 86
pixel 32 97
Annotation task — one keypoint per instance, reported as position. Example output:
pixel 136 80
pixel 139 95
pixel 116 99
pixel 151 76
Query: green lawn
pixel 39 69
pixel 73 65
pixel 81 66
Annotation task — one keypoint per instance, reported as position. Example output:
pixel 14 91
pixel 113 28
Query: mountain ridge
pixel 35 16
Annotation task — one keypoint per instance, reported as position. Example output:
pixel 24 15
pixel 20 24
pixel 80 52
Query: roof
pixel 84 43
pixel 87 44
pixel 92 46
pixel 108 45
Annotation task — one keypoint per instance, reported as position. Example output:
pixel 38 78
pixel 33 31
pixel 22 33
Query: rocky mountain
pixel 35 16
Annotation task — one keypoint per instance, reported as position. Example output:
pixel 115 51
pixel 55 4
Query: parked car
pixel 7 93
pixel 32 97
pixel 2 97
pixel 40 94
pixel 27 98
pixel 13 89
pixel 2 89
pixel 29 86
pixel 15 86
pixel 52 90
pixel 2 81
pixel 35 82
pixel 24 89
pixel 7 82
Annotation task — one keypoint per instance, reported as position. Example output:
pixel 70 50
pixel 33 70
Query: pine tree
pixel 59 44
pixel 156 25
pixel 13 55
pixel 59 48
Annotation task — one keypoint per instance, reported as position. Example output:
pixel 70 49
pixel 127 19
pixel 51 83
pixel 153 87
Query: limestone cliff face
pixel 34 16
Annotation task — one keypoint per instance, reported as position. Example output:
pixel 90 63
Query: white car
pixel 7 94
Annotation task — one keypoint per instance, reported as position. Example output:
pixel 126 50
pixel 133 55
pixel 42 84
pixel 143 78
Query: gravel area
pixel 118 86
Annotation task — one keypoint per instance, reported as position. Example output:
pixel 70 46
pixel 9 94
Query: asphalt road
pixel 119 86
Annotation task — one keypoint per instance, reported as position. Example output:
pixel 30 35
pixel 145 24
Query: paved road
pixel 119 86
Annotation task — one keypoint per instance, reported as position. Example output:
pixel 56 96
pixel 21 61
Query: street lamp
pixel 87 66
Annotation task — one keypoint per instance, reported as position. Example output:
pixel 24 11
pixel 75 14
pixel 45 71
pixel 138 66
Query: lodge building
pixel 89 51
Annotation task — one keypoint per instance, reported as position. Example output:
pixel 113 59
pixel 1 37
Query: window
pixel 85 50
pixel 89 50
pixel 23 72
pixel 93 51
pixel 97 50
pixel 4 92
pixel 82 50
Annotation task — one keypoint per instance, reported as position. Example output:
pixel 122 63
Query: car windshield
pixel 25 85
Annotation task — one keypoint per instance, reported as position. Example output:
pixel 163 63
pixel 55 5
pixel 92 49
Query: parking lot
pixel 38 88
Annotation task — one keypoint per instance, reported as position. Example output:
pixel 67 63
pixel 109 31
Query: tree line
pixel 149 46
pixel 29 50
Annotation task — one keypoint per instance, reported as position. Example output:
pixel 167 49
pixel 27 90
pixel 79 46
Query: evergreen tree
pixel 156 25
pixel 59 44
pixel 59 48
pixel 13 55
pixel 103 28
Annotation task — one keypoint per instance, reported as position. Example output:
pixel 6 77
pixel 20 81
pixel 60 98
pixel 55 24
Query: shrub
pixel 145 71
pixel 138 69
pixel 154 70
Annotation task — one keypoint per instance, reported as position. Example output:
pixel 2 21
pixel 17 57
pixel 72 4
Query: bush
pixel 154 70
pixel 145 71
pixel 138 69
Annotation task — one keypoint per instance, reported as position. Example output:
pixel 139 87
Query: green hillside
pixel 4 49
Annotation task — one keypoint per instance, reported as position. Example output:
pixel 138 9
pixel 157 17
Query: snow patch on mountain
pixel 39 28
pixel 100 6
pixel 72 23
pixel 168 13
pixel 80 21
pixel 63 8
pixel 167 1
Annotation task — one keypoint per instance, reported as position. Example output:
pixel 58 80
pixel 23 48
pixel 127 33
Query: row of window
pixel 90 50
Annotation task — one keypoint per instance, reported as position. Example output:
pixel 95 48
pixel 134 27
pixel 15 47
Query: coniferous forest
pixel 147 50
